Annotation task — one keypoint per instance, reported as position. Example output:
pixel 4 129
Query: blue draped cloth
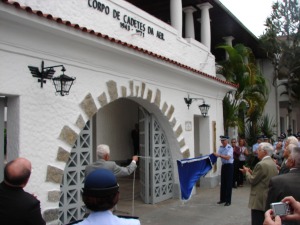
pixel 190 170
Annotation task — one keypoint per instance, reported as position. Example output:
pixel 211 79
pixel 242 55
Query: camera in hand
pixel 280 208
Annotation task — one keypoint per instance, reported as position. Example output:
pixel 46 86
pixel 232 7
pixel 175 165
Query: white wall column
pixel 176 15
pixel 233 132
pixel 205 24
pixel 189 22
pixel 228 40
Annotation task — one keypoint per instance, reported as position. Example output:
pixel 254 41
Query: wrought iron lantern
pixel 62 83
pixel 203 107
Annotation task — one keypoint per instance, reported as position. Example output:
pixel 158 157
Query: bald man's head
pixel 17 172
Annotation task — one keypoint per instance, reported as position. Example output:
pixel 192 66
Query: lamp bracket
pixel 203 107
pixel 61 83
pixel 51 67
pixel 189 100
pixel 44 73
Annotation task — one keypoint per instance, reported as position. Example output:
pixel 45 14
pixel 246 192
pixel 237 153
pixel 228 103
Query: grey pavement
pixel 202 208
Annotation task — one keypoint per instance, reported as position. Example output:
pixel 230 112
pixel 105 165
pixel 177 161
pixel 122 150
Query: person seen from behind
pixel 100 194
pixel 103 161
pixel 18 207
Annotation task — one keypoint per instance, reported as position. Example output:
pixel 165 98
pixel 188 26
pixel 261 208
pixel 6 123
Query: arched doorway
pixel 155 168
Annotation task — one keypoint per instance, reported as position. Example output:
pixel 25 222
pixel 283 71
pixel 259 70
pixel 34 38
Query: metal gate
pixel 71 207
pixel 144 152
pixel 156 171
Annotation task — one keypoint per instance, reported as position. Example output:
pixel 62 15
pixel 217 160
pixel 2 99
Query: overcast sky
pixel 252 13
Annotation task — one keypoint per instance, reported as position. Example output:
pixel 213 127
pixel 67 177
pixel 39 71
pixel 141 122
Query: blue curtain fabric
pixel 190 170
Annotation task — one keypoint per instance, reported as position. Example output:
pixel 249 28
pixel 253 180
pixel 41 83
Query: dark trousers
pixel 240 180
pixel 235 172
pixel 226 182
pixel 257 217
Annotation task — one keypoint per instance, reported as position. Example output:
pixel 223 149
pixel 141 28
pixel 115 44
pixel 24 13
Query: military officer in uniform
pixel 225 152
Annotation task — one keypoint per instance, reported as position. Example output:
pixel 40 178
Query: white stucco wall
pixel 272 107
pixel 272 103
pixel 188 52
pixel 36 115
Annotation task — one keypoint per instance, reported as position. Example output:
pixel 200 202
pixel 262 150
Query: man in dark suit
pixel 259 180
pixel 286 184
pixel 18 207
pixel 103 156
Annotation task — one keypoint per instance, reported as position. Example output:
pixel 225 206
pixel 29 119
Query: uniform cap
pixel 100 182
pixel 283 135
pixel 260 137
pixel 223 137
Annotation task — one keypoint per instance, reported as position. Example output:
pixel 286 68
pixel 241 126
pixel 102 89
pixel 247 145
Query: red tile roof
pixel 100 35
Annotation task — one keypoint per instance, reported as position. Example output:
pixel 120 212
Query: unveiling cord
pixel 133 184
pixel 145 157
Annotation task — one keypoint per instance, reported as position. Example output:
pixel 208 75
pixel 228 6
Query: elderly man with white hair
pixel 291 140
pixel 103 161
pixel 286 153
pixel 259 180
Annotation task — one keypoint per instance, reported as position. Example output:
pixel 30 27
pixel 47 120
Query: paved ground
pixel 202 209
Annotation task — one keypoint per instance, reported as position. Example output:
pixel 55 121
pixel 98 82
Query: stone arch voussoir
pixel 89 108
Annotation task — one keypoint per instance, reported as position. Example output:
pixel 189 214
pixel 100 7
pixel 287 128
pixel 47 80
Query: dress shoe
pixel 220 202
pixel 227 204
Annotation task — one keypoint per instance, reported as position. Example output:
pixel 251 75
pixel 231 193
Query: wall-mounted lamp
pixel 62 83
pixel 203 107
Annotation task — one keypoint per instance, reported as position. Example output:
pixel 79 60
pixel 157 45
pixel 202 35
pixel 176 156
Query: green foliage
pixel 229 111
pixel 282 38
pixel 251 132
pixel 267 126
pixel 284 19
pixel 281 41
pixel 248 101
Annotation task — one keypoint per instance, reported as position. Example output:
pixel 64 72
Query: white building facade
pixel 130 68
